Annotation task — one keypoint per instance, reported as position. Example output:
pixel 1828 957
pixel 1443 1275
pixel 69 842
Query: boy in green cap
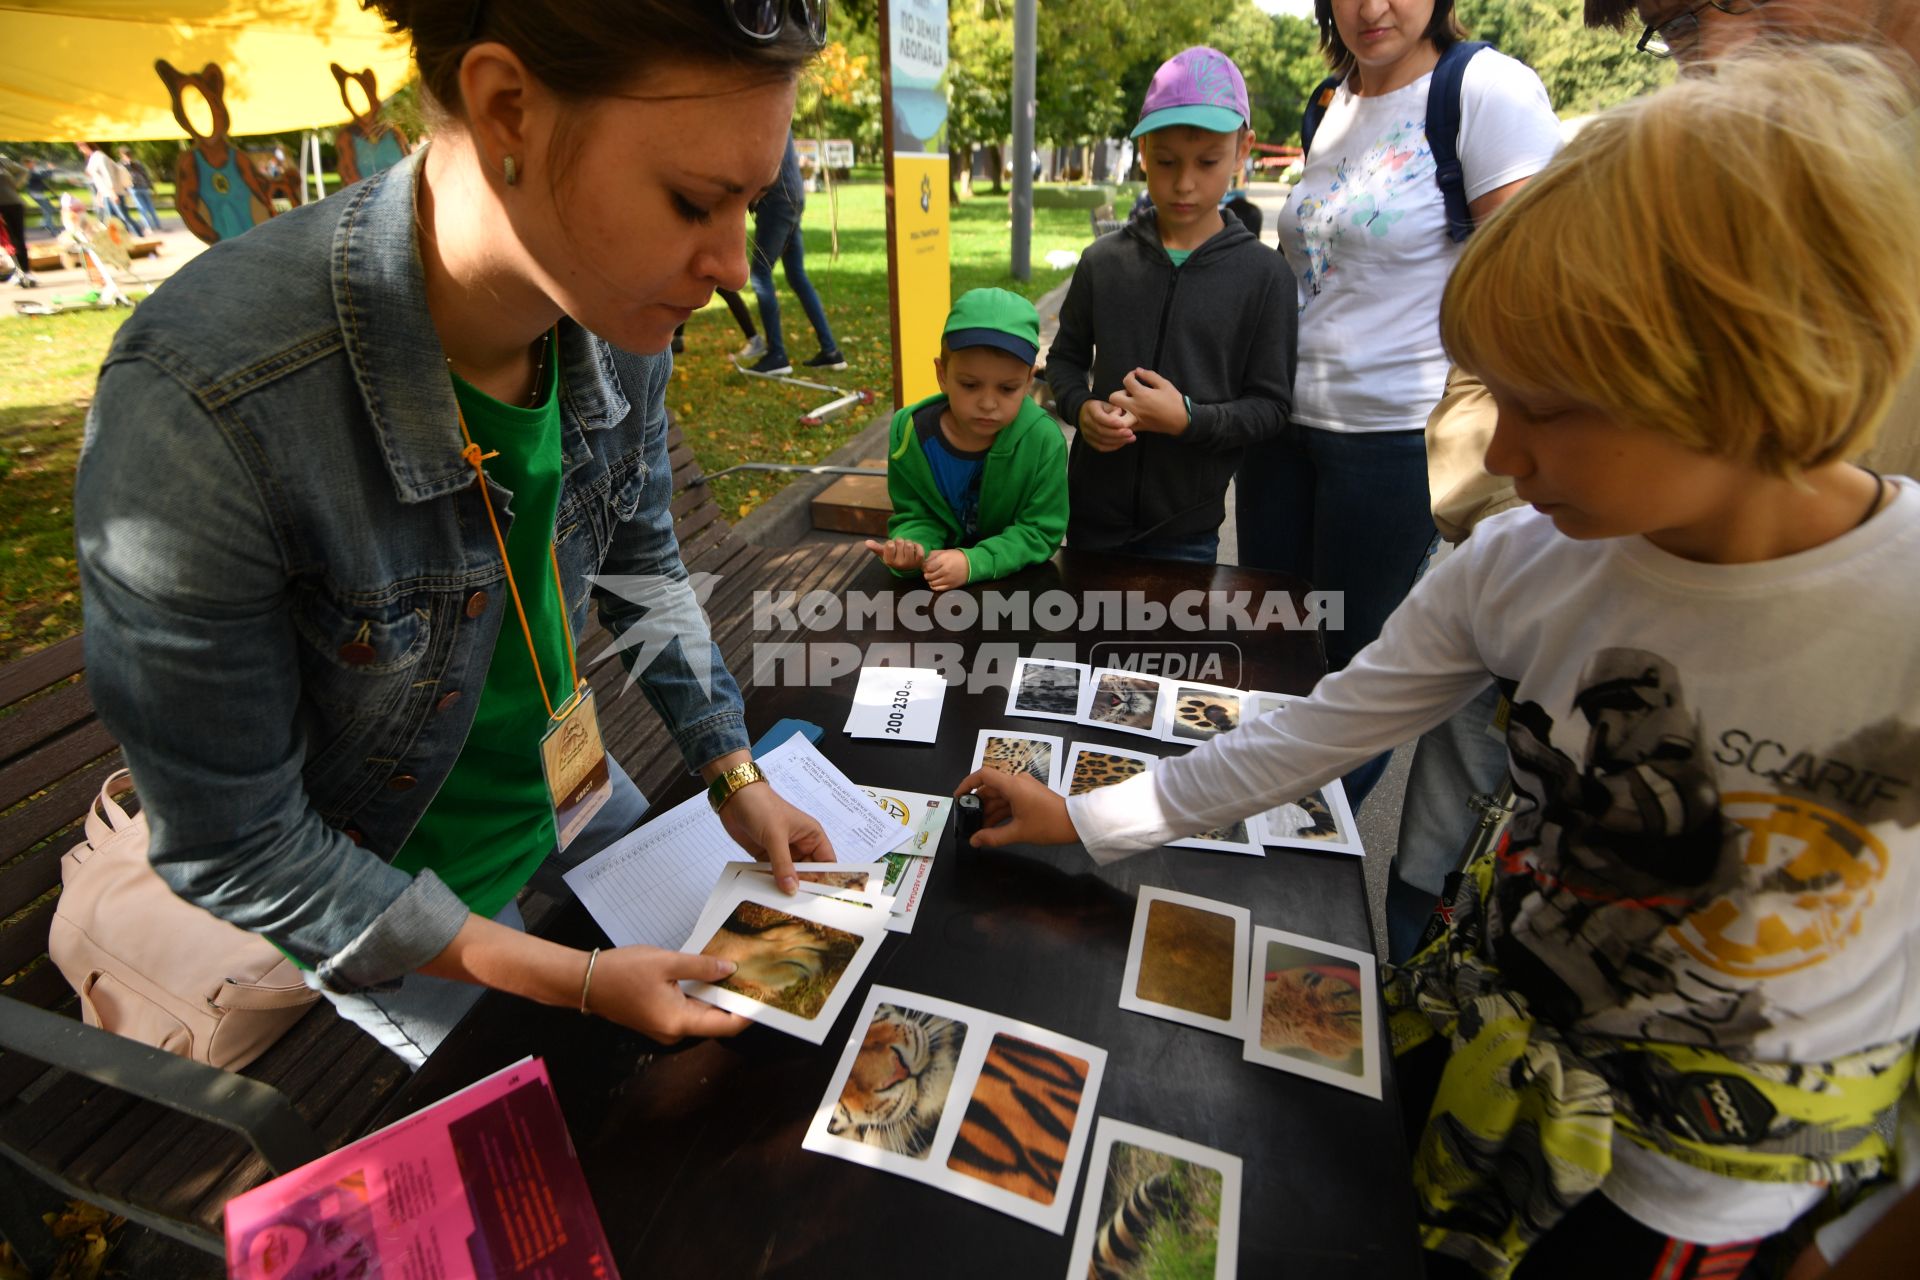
pixel 977 473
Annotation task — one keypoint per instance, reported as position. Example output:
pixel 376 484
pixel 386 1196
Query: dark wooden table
pixel 694 1153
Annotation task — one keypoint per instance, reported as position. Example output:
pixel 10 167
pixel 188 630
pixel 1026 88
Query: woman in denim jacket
pixel 295 596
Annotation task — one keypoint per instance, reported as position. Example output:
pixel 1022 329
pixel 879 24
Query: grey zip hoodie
pixel 1220 328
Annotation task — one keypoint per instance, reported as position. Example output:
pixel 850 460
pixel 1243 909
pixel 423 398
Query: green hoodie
pixel 1023 494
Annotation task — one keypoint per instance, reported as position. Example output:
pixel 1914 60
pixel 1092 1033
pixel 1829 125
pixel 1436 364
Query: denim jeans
pixel 143 196
pixel 1349 512
pixel 49 213
pixel 114 207
pixel 777 238
pixel 1454 761
pixel 413 1018
pixel 1196 548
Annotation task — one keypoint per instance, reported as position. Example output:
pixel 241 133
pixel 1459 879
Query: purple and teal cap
pixel 994 318
pixel 1198 86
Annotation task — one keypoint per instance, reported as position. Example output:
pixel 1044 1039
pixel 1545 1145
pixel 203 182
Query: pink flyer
pixel 483 1185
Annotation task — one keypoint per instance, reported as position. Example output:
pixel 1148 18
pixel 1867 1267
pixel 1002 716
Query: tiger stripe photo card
pixel 1187 961
pixel 1313 1009
pixel 991 1109
pixel 1014 751
pixel 1156 1205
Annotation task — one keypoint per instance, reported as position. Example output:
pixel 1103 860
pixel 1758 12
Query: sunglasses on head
pixel 763 20
pixel 760 21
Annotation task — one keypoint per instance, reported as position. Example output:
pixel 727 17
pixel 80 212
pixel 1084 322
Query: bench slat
pixel 49 764
pixel 36 671
pixel 25 940
pixel 43 719
pixel 51 813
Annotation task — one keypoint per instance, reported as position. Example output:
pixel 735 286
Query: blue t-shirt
pixel 956 472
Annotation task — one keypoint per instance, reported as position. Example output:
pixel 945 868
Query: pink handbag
pixel 151 966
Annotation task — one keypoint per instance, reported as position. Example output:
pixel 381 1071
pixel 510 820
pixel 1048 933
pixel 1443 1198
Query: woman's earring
pixel 511 171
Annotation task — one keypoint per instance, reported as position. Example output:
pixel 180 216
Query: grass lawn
pixel 50 363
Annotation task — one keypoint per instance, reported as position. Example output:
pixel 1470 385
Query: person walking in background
pixel 40 188
pixel 110 181
pixel 13 216
pixel 776 238
pixel 142 188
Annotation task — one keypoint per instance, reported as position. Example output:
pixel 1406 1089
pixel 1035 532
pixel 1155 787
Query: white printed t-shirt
pixel 1366 235
pixel 1718 776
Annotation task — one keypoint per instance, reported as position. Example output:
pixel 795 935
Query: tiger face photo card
pixel 1035 754
pixel 797 958
pixel 1156 1205
pixel 991 1109
pixel 1125 700
pixel 1313 1010
pixel 1187 961
pixel 1049 690
pixel 1198 712
pixel 1091 766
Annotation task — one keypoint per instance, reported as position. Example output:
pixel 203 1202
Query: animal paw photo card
pixel 797 958
pixel 1314 1010
pixel 1156 1205
pixel 993 1110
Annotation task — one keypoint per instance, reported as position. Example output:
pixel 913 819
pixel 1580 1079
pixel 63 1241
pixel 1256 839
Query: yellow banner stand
pixel 913 80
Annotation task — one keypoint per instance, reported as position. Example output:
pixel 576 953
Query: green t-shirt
pixel 1179 256
pixel 491 824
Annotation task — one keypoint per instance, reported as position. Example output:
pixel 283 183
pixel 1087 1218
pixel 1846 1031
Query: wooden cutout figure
pixel 368 145
pixel 216 189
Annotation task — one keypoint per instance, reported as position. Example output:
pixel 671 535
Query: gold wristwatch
pixel 722 788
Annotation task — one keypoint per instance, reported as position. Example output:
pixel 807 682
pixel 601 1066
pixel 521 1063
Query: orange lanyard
pixel 473 455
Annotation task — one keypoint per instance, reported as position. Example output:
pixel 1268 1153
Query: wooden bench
pixel 168 1142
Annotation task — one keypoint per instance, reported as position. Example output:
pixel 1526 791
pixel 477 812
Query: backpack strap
pixel 1317 103
pixel 1443 133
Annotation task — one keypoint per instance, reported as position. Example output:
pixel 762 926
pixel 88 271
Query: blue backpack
pixel 1443 129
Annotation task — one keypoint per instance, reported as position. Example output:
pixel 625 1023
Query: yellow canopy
pixel 73 69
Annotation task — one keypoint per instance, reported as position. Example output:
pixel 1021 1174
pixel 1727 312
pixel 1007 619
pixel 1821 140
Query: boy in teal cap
pixel 977 473
pixel 1176 342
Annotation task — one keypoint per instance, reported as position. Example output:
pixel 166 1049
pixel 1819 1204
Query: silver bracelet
pixel 586 983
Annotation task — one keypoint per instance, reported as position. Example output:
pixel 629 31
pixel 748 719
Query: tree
pixel 979 82
pixel 1584 70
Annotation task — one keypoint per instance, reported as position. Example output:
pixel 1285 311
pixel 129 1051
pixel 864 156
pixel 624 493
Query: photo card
pixel 1193 713
pixel 1092 765
pixel 1234 837
pixel 1014 751
pixel 830 878
pixel 1187 961
pixel 1313 1009
pixel 799 958
pixel 1125 700
pixel 991 1109
pixel 1156 1205
pixel 1048 690
pixel 1318 820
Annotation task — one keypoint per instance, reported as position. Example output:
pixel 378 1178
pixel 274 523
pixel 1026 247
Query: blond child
pixel 1691 982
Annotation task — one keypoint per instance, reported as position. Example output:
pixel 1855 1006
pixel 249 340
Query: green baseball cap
pixel 994 318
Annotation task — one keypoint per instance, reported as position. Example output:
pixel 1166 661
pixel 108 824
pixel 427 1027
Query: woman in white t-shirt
pixel 1340 498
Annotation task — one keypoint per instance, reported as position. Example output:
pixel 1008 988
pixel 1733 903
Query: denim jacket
pixel 292 591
